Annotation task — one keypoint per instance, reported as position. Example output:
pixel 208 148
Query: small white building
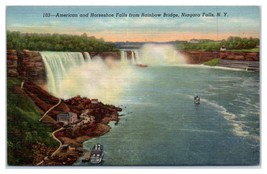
pixel 67 117
pixel 223 48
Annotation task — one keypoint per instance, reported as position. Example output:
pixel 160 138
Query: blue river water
pixel 161 125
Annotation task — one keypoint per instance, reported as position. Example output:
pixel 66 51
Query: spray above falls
pixel 161 55
pixel 152 55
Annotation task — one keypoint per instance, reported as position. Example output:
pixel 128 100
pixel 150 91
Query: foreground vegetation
pixel 23 128
pixel 56 42
pixel 231 43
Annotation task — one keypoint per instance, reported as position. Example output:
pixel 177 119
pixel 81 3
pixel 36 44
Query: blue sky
pixel 241 21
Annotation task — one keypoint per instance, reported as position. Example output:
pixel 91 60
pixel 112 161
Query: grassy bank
pixel 212 62
pixel 231 43
pixel 24 132
pixel 253 50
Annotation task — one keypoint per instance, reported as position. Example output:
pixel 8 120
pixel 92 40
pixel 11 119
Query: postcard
pixel 133 85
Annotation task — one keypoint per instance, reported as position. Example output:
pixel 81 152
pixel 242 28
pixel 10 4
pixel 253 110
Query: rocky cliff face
pixel 247 56
pixel 31 66
pixel 198 57
pixel 115 54
pixel 27 65
pixel 12 63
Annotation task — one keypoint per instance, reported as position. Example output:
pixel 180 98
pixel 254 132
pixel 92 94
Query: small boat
pixel 142 65
pixel 97 154
pixel 197 100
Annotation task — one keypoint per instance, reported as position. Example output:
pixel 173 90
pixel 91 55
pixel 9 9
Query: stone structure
pixel 67 117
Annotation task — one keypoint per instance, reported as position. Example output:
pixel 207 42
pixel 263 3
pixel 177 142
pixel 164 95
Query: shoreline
pixel 223 68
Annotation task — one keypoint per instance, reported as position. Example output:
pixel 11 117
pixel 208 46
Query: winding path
pixel 53 134
pixel 56 151
pixel 59 101
pixel 58 140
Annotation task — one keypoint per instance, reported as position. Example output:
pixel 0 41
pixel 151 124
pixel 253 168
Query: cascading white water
pixel 57 65
pixel 123 56
pixel 137 57
pixel 87 57
pixel 69 75
pixel 133 58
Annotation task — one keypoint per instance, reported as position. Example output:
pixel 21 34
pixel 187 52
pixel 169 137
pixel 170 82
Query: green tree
pixel 56 42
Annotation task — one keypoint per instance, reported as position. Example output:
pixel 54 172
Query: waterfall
pixel 57 65
pixel 137 57
pixel 123 56
pixel 87 57
pixel 69 75
pixel 133 58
